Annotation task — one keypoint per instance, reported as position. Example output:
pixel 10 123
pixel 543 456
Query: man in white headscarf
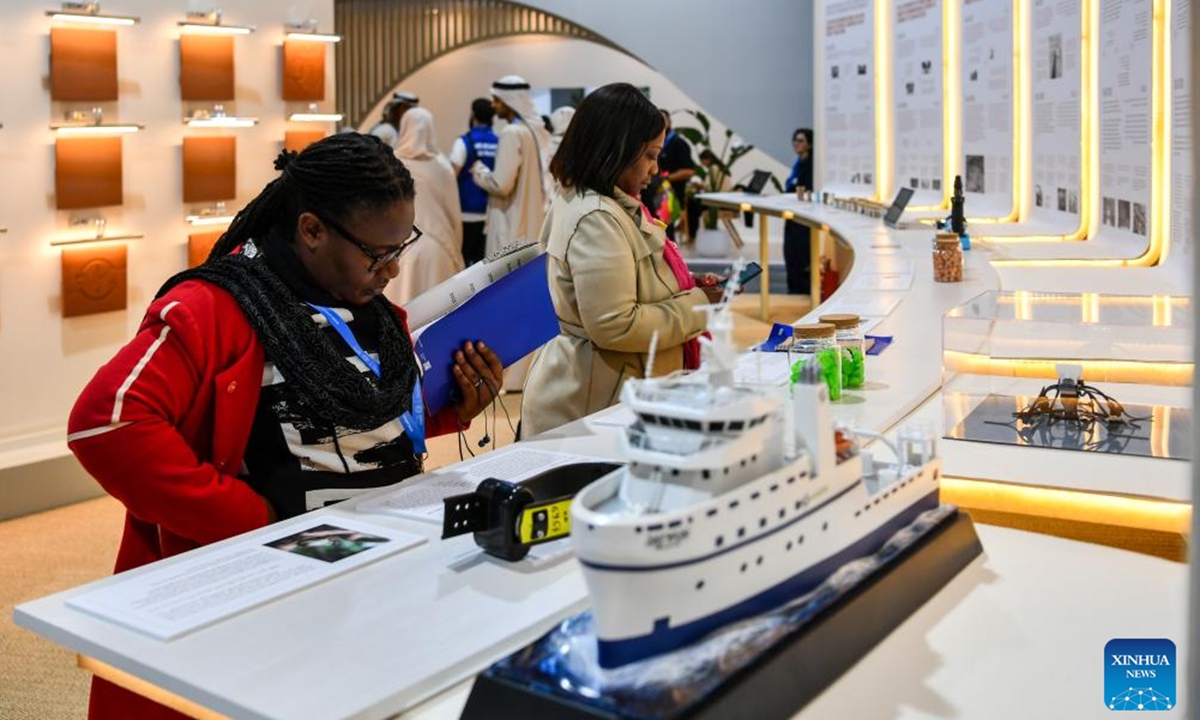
pixel 437 256
pixel 516 188
pixel 388 129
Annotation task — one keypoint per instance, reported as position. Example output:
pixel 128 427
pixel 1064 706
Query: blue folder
pixel 513 316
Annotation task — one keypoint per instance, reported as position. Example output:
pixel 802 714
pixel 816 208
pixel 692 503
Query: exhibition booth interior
pixel 960 463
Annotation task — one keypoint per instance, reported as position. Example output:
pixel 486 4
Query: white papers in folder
pixel 421 498
pixel 439 301
pixel 180 595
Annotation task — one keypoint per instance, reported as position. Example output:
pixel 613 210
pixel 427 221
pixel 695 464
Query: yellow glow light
pixel 1071 505
pixel 1090 303
pixel 1175 374
pixel 1162 310
pixel 883 109
pixel 221 122
pixel 744 207
pixel 209 219
pixel 207 29
pixel 95 129
pixel 315 117
pixel 92 19
pixel 313 37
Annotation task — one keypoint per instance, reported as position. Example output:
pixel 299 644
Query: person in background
pixel 560 120
pixel 478 144
pixel 675 165
pixel 242 400
pixel 796 237
pixel 616 281
pixel 516 194
pixel 439 254
pixel 698 185
pixel 388 129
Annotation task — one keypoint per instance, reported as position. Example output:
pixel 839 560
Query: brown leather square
pixel 87 172
pixel 93 278
pixel 83 64
pixel 303 70
pixel 209 169
pixel 206 67
pixel 200 245
pixel 299 139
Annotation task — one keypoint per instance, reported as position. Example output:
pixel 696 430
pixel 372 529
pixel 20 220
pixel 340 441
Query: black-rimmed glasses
pixel 377 259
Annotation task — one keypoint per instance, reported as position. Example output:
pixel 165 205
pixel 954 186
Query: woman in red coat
pixel 273 379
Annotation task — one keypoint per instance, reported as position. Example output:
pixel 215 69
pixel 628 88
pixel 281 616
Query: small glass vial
pixel 849 337
pixel 817 342
pixel 947 258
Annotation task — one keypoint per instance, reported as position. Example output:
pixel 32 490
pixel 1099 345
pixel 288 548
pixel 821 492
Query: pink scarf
pixel 675 261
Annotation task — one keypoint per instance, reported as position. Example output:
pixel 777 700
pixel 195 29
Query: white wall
pixel 44 359
pixel 749 62
pixel 449 84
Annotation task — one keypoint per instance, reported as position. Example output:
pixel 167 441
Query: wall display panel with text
pixel 917 91
pixel 1055 46
pixel 1126 137
pixel 848 131
pixel 987 107
pixel 1183 227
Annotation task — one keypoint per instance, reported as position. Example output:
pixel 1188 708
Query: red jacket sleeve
pixel 143 425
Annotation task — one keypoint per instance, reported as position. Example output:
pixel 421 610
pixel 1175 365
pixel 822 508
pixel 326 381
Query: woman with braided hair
pixel 273 379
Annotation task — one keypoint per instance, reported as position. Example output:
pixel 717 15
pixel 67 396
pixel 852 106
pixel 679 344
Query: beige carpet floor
pixel 59 549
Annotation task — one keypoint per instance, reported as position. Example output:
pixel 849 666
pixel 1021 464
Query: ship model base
pixel 786 676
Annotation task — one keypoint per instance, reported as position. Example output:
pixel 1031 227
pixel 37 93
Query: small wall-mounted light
pixel 314 115
pixel 101 226
pixel 209 23
pixel 90 122
pixel 307 31
pixel 215 215
pixel 89 13
pixel 217 118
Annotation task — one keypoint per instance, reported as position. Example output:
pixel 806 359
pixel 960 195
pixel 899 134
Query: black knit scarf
pixel 328 388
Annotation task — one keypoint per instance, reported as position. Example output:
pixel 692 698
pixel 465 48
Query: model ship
pixel 736 499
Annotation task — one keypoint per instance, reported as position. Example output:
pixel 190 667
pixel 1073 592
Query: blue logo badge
pixel 1139 675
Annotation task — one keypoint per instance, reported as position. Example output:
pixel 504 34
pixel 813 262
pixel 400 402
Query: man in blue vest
pixel 478 144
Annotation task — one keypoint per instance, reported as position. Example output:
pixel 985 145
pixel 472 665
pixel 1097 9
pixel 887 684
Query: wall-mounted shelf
pixel 78 13
pixel 101 235
pixel 208 29
pixel 114 129
pixel 221 122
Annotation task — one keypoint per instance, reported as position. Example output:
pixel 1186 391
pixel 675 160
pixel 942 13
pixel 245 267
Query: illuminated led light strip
pixel 209 219
pixel 1160 91
pixel 1175 374
pixel 1072 505
pixel 315 117
pixel 313 37
pixel 1108 301
pixel 93 240
pixel 221 122
pixel 92 19
pixel 1019 169
pixel 883 110
pixel 95 129
pixel 207 29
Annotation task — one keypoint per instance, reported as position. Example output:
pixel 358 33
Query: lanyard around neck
pixel 412 420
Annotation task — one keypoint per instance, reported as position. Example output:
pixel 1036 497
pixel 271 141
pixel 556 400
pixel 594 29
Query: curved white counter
pixel 1019 633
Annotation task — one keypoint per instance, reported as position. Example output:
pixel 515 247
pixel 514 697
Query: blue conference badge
pixel 1139 675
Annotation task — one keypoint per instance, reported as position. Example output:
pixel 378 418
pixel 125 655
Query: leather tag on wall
pixel 87 172
pixel 209 169
pixel 83 64
pixel 93 278
pixel 200 245
pixel 303 70
pixel 206 67
pixel 299 139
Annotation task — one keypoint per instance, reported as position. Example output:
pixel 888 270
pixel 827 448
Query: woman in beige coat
pixel 614 278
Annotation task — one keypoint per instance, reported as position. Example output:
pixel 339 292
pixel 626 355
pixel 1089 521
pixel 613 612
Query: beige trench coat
pixel 612 289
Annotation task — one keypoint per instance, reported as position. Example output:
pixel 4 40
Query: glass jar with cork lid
pixel 817 342
pixel 947 258
pixel 849 337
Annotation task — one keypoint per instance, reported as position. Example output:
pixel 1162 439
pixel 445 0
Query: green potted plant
pixel 714 177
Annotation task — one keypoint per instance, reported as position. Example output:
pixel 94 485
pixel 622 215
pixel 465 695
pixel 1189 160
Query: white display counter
pixel 1021 632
